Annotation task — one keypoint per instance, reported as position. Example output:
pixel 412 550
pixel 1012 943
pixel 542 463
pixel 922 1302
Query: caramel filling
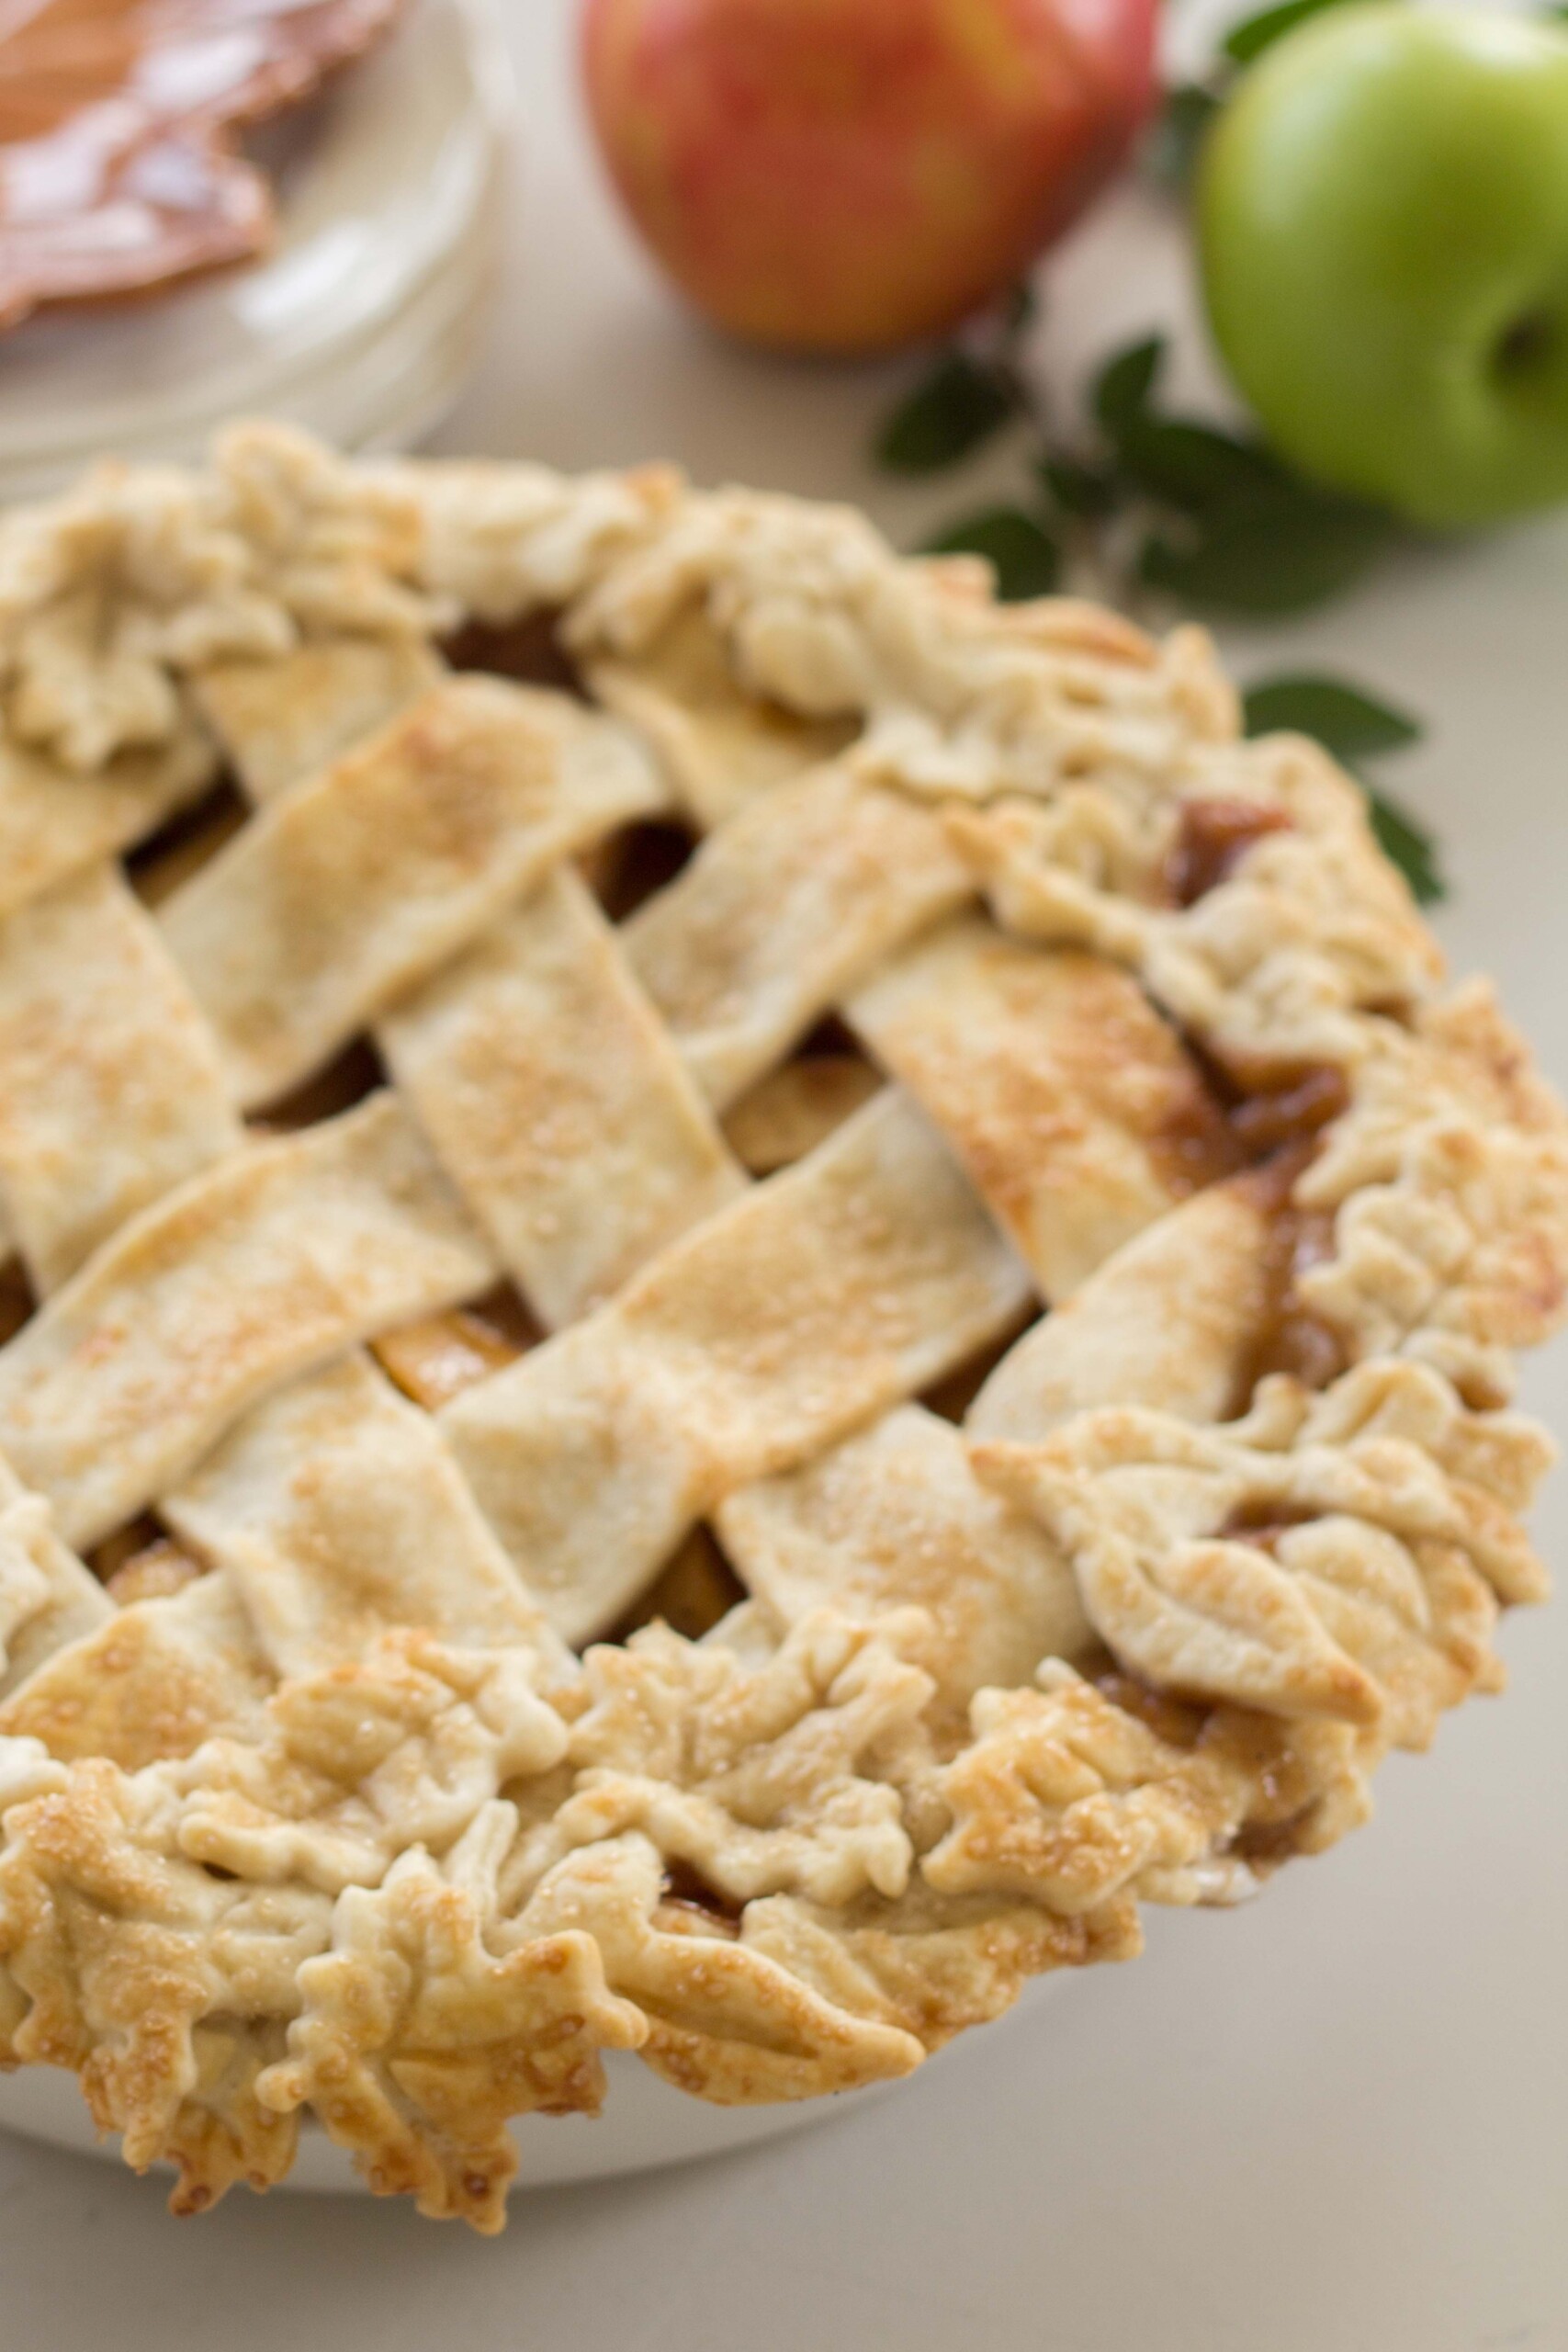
pixel 1292 1113
pixel 1213 837
pixel 951 1398
pixel 796 1107
pixel 346 1079
pixel 1292 1339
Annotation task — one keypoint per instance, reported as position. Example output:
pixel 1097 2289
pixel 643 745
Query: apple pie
pixel 739 1291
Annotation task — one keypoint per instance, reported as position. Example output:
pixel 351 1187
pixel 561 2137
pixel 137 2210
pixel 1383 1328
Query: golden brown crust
pixel 1124 1019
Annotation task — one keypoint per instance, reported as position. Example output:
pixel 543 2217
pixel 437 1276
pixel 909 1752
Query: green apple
pixel 1383 217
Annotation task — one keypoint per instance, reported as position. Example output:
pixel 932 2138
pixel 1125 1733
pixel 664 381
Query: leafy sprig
pixel 971 391
pixel 954 410
pixel 1146 501
pixel 1155 500
pixel 1226 524
pixel 1354 727
pixel 1022 553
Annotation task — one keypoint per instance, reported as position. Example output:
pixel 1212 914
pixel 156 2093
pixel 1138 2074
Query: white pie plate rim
pixel 647 2125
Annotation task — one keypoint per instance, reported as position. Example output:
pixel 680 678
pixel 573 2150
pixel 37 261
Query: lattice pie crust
pixel 576 1055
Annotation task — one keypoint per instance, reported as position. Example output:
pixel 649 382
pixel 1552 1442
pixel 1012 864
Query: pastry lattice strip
pixel 531 1051
pixel 378 678
pixel 459 1003
pixel 375 681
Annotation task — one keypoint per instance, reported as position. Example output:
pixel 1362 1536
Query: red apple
pixel 846 175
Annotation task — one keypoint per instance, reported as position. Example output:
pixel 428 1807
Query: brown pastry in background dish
pixel 120 167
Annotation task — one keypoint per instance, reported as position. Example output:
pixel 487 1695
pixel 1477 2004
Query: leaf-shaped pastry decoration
pixel 1356 1581
pixel 1205 1615
pixel 417 2039
pixel 751 1778
pixel 119 162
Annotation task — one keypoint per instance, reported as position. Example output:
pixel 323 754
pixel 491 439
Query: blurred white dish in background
pixel 364 321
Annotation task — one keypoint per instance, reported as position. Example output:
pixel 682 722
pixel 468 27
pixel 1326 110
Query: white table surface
pixel 1332 2122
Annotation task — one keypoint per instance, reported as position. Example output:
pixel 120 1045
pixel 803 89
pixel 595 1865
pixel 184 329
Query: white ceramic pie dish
pixel 646 2126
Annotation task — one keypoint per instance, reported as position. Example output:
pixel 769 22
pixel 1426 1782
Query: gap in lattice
pixel 440 1356
pixel 159 866
pixel 831 1038
pixel 797 1106
pixel 693 1591
pixel 951 1397
pixel 142 1561
pixel 633 864
pixel 530 651
pixel 352 1075
pixel 17 1304
pixel 685 1888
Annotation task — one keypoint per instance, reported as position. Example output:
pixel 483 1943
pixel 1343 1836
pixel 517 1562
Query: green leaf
pixel 1087 492
pixel 1026 559
pixel 1020 310
pixel 1193 466
pixel 1255 34
pixel 1175 143
pixel 1409 846
pixel 959 404
pixel 1351 724
pixel 1124 385
pixel 1278 550
pixel 1355 726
